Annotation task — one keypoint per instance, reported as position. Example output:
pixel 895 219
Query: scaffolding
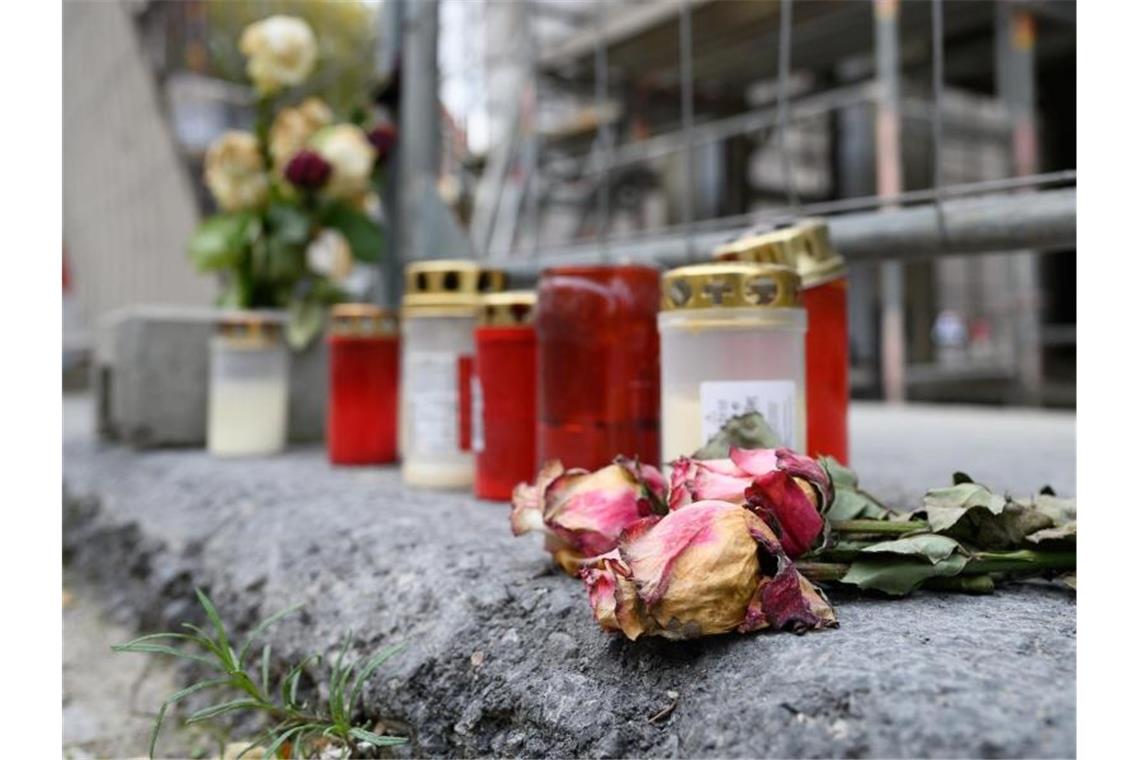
pixel 814 108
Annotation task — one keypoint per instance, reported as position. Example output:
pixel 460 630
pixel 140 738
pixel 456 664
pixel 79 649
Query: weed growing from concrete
pixel 305 729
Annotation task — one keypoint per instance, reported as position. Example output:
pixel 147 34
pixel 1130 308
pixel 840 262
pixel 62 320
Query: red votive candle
pixel 598 364
pixel 503 394
pixel 364 356
pixel 807 247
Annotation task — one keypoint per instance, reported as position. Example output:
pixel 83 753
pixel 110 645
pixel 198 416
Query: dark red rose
pixel 383 137
pixel 307 170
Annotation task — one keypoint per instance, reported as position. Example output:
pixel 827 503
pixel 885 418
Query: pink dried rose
pixel 785 488
pixel 583 512
pixel 708 568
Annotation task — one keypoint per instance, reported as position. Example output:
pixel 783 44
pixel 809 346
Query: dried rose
pixel 787 489
pixel 235 172
pixel 281 52
pixel 582 512
pixel 292 128
pixel 308 170
pixel 709 568
pixel 346 148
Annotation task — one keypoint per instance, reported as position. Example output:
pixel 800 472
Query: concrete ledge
pixel 503 657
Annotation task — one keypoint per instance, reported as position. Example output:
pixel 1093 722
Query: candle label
pixel 774 399
pixel 477 441
pixel 433 400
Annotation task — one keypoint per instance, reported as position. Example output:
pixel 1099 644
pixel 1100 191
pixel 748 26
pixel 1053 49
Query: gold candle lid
pixel 806 246
pixel 363 320
pixel 509 308
pixel 249 329
pixel 730 284
pixel 448 287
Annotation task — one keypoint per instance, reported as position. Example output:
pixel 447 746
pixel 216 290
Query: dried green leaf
pixel 900 575
pixel 849 501
pixel 971 513
pixel 1069 579
pixel 1066 532
pixel 744 431
pixel 931 546
pixel 1060 511
pixel 944 507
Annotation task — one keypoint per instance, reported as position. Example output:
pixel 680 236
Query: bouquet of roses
pixel 740 536
pixel 298 200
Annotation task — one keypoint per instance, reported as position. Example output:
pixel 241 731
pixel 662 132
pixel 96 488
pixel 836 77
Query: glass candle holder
pixel 441 301
pixel 503 392
pixel 598 364
pixel 249 386
pixel 364 360
pixel 807 247
pixel 732 342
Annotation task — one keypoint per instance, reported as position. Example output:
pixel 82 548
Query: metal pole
pixel 888 163
pixel 1045 220
pixel 419 123
pixel 689 181
pixel 1015 35
pixel 784 69
pixel 601 92
pixel 391 21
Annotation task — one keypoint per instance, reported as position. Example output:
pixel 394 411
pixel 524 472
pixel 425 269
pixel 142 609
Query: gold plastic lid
pixel 730 284
pixel 806 246
pixel 250 328
pixel 511 307
pixel 363 320
pixel 448 286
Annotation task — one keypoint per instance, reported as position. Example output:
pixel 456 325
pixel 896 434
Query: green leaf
pixel 930 546
pixel 304 322
pixel 272 749
pixel 1066 533
pixel 288 223
pixel 744 431
pixel 265 669
pixel 208 684
pixel 219 628
pixel 219 241
pixel 154 637
pixel 261 627
pixel 364 236
pixel 375 739
pixel 214 711
pixel 157 727
pixel 900 575
pixel 369 668
pixel 160 649
pixel 973 514
pixel 944 507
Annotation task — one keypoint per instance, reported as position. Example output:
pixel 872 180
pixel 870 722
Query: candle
pixel 732 342
pixel 441 300
pixel 249 386
pixel 504 394
pixel 807 247
pixel 598 364
pixel 363 377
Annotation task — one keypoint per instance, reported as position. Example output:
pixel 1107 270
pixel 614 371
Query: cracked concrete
pixel 502 655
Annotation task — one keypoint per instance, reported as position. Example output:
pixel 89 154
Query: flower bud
pixel 383 138
pixel 307 170
pixel 709 568
pixel 582 512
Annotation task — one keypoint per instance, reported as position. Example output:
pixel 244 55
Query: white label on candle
pixel 433 393
pixel 477 442
pixel 774 399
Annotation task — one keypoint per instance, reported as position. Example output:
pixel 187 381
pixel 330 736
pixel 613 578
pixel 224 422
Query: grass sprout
pixel 242 682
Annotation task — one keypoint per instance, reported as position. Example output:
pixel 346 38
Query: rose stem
pixel 984 563
pixel 878 526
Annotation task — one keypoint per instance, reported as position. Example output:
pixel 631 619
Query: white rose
pixel 282 51
pixel 235 172
pixel 293 127
pixel 330 254
pixel 351 156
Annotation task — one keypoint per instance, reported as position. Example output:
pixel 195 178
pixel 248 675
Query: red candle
pixel 826 368
pixel 807 247
pixel 598 364
pixel 504 403
pixel 364 355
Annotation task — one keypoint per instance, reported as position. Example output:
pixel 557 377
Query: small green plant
pixel 296 724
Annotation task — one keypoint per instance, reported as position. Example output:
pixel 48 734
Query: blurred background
pixel 938 137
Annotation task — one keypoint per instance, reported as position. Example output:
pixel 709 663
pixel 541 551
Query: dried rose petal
pixel 787 489
pixel 583 512
pixel 699 571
